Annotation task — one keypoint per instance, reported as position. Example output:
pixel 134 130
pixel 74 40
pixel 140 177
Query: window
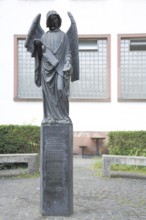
pixel 94 83
pixel 132 67
pixel 25 88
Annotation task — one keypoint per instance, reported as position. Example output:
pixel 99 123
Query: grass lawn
pixel 97 165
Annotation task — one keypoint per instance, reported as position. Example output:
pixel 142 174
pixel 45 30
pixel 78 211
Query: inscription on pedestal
pixel 56 172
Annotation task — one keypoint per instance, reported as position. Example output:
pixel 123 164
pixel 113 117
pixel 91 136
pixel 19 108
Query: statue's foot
pixel 68 121
pixel 64 121
pixel 48 121
pixel 45 121
pixel 52 121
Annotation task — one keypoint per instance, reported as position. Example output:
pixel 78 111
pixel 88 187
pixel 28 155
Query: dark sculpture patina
pixel 56 61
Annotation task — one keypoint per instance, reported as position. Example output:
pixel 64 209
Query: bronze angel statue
pixel 56 62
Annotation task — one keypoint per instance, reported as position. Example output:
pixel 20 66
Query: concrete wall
pixel 88 139
pixel 92 17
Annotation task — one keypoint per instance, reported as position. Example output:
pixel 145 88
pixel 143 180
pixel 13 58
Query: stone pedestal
pixel 56 170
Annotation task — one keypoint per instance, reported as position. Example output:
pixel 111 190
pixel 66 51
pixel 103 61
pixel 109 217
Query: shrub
pixel 127 143
pixel 19 139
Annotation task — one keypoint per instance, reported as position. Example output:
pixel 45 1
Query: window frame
pixel 81 37
pixel 119 38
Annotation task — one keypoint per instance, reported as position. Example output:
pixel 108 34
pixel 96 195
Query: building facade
pixel 111 93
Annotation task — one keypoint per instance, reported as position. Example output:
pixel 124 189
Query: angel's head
pixel 53 20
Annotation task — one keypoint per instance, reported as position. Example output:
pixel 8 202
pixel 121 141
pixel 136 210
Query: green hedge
pixel 127 143
pixel 19 139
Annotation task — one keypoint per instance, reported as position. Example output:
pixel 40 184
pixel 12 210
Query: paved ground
pixel 94 197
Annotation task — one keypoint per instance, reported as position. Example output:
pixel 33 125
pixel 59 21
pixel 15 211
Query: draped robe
pixel 54 82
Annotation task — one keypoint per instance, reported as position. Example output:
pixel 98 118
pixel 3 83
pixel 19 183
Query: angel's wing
pixel 35 32
pixel 73 37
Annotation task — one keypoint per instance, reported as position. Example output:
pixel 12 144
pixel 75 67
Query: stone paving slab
pixel 95 198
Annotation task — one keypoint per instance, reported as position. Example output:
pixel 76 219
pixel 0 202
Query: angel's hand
pixel 67 69
pixel 66 66
pixel 38 43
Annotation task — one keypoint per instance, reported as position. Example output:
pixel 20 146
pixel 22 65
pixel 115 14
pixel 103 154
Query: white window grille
pixel 133 69
pixel 93 81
